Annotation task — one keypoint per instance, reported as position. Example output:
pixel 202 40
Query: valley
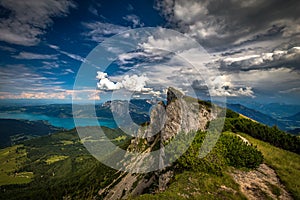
pixel 58 165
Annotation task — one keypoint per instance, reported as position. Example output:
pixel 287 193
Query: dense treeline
pixel 228 151
pixel 262 132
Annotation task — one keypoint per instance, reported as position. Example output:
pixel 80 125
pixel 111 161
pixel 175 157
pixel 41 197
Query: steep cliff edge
pixel 181 114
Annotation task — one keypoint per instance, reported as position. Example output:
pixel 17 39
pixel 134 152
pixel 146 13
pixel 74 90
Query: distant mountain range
pixel 15 130
pixel 138 109
pixel 275 110
pixel 295 117
pixel 257 116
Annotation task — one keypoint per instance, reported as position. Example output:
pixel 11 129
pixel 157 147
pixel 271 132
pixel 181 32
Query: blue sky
pixel 255 45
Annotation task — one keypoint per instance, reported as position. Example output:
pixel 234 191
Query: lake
pixel 67 123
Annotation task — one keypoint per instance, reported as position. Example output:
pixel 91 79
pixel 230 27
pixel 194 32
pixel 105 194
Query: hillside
pixel 295 117
pixel 14 131
pixel 58 166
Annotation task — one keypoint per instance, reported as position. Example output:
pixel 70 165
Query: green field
pixel 285 163
pixel 55 158
pixel 11 160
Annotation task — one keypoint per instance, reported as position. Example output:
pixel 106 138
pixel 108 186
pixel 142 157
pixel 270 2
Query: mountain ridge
pixel 63 168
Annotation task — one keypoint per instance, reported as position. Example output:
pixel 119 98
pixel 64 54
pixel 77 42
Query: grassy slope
pixel 10 160
pixel 199 185
pixel 61 167
pixel 202 180
pixel 285 163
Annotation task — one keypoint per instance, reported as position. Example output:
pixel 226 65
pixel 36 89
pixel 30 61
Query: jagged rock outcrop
pixel 184 114
pixel 181 114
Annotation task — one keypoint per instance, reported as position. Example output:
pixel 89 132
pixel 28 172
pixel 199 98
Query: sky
pixel 254 48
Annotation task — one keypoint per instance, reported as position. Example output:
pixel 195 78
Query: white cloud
pixel 6 48
pixel 134 20
pixel 73 56
pixel 291 90
pixel 134 83
pixel 70 55
pixel 106 84
pixel 224 86
pixel 69 71
pixel 49 65
pixel 34 95
pixel 29 19
pixel 188 11
pixel 236 59
pixel 263 59
pixel 93 10
pixel 99 30
pixel 125 58
pixel 21 82
pixel 53 46
pixel 268 82
pixel 32 56
pixel 85 94
pixel 173 43
pixel 131 83
pixel 176 72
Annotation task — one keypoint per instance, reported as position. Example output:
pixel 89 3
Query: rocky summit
pixel 181 114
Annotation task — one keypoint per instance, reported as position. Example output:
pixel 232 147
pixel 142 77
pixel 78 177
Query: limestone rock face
pixel 158 118
pixel 181 114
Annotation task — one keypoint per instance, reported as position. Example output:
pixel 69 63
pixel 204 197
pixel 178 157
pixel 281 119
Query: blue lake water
pixel 67 123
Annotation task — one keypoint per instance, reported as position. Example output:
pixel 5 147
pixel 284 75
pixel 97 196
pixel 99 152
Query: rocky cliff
pixel 181 114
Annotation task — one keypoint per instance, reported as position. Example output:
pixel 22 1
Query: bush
pixel 229 150
pixel 239 154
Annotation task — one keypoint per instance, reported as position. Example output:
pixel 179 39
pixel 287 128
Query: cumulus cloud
pixel 173 43
pixel 176 72
pixel 131 83
pixel 106 84
pixel 232 92
pixel 28 20
pixel 222 86
pixel 268 82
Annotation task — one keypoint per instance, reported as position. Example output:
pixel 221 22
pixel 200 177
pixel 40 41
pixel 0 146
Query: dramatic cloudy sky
pixel 254 46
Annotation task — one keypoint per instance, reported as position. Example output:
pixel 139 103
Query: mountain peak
pixel 173 94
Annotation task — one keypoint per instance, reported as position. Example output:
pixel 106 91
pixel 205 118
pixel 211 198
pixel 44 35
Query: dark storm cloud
pixel 221 24
pixel 255 43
